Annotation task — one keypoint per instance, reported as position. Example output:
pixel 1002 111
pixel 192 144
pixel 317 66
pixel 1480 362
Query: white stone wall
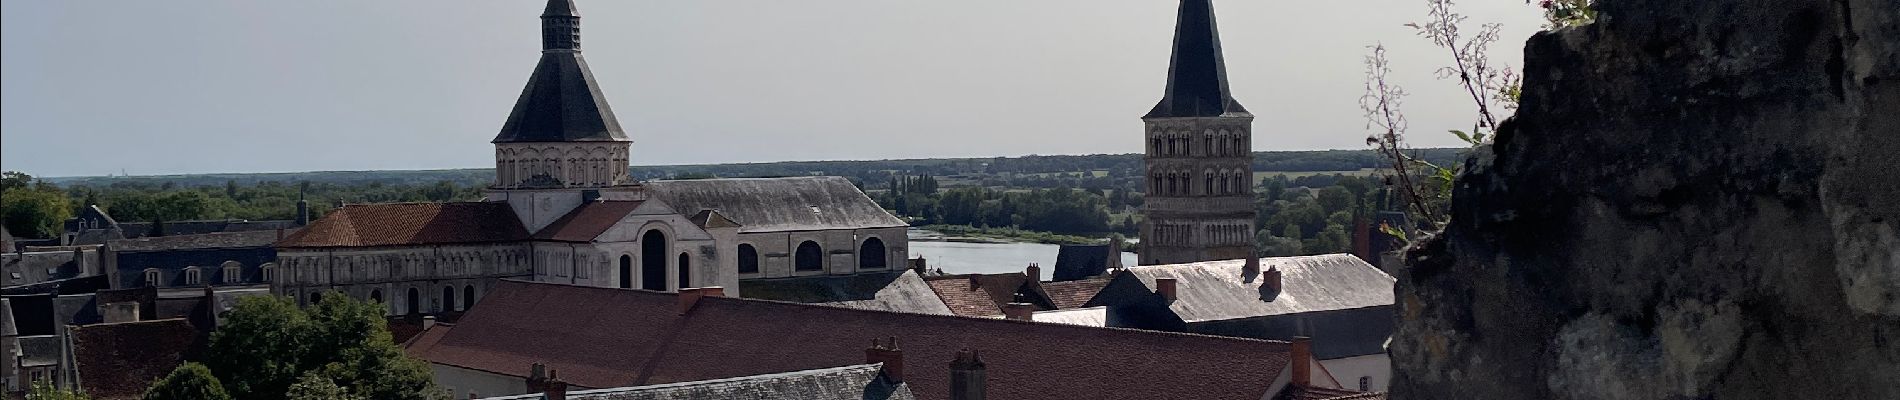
pixel 1375 368
pixel 390 272
pixel 575 164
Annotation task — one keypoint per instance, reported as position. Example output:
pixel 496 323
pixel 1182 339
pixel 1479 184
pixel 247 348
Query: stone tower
pixel 561 145
pixel 1199 205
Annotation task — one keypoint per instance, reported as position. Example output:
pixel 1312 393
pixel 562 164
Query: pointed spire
pixel 560 8
pixel 561 103
pixel 1197 74
pixel 560 27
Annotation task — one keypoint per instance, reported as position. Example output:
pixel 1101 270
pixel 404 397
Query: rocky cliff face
pixel 1697 199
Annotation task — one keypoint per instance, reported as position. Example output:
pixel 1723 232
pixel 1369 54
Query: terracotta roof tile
pixel 629 337
pixel 1072 294
pixel 117 361
pixel 977 295
pixel 411 224
pixel 587 221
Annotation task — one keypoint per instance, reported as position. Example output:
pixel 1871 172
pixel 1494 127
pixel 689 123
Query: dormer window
pixel 193 277
pixel 151 277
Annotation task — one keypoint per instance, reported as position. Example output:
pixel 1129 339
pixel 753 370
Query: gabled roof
pixel 117 361
pixel 983 295
pixel 587 221
pixel 1078 261
pixel 1072 294
pixel 1220 290
pixel 405 224
pixel 898 291
pixel 1197 75
pixel 855 382
pixel 779 204
pixel 627 337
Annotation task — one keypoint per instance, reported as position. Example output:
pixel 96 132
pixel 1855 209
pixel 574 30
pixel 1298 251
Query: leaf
pixel 1463 136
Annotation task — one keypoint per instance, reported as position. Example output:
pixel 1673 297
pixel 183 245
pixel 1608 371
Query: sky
pixel 96 87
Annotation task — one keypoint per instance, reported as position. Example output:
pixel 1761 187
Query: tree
pixel 45 391
pixel 33 208
pixel 191 381
pixel 267 345
pixel 316 387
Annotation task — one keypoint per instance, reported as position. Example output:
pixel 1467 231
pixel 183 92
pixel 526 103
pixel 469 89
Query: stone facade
pixel 409 279
pixel 1198 158
pixel 542 165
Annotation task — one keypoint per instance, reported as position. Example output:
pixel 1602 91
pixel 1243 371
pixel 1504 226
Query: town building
pixel 564 208
pixel 94 226
pixel 239 258
pixel 852 382
pixel 1341 301
pixel 1199 201
pixel 637 338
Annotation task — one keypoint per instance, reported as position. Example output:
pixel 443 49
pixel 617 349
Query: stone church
pixel 564 208
pixel 1199 157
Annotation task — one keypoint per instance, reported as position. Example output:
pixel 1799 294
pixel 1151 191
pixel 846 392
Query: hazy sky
pixel 91 87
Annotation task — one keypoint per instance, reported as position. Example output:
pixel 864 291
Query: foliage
pixel 46 391
pixel 1566 13
pixel 1011 234
pixel 191 381
pixel 267 344
pixel 313 386
pixel 32 208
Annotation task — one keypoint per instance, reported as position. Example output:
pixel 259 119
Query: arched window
pixel 810 257
pixel 415 301
pixel 152 276
pixel 653 260
pixel 376 296
pixel 685 271
pixel 448 299
pixel 267 272
pixel 233 272
pixel 626 272
pixel 871 254
pixel 193 277
pixel 468 297
pixel 748 259
pixel 315 297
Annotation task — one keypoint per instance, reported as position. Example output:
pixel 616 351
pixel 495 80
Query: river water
pixel 991 258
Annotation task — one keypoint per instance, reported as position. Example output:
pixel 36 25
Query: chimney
pixel 690 296
pixel 555 388
pixel 920 265
pixel 1252 267
pixel 1034 273
pixel 888 354
pixel 1019 311
pixel 968 377
pixel 428 321
pixel 124 311
pixel 303 210
pixel 1165 287
pixel 1114 253
pixel 1272 281
pixel 1302 360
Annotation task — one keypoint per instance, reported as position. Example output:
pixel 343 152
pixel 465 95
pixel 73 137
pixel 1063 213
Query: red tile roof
pixel 587 221
pixel 977 295
pixel 118 361
pixel 411 224
pixel 1073 294
pixel 627 337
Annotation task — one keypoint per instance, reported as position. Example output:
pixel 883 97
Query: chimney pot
pixel 1019 311
pixel 556 388
pixel 1302 359
pixel 1034 273
pixel 1166 288
pixel 1273 280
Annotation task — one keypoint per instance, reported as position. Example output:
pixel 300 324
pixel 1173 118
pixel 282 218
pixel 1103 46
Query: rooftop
pixel 587 221
pixel 899 291
pixel 399 224
pixel 1222 290
pixel 117 361
pixel 778 204
pixel 855 382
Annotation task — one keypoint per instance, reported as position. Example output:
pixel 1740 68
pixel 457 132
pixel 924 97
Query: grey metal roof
pixel 1197 75
pixel 778 204
pixel 1078 261
pixel 899 291
pixel 561 103
pixel 1218 290
pixel 1086 316
pixel 856 382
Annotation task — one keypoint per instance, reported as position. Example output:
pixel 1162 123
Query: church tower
pixel 561 145
pixel 1199 205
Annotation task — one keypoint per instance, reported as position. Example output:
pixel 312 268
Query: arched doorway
pixel 448 298
pixel 871 254
pixel 686 272
pixel 653 260
pixel 810 257
pixel 626 272
pixel 415 301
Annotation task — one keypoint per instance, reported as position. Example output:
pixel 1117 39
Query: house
pixel 93 226
pixel 851 382
pixel 1341 301
pixel 194 260
pixel 42 264
pixel 625 338
pixel 119 360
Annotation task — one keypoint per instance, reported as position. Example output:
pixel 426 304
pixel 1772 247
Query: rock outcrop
pixel 1696 199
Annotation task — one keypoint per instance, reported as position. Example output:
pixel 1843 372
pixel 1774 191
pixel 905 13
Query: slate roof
pixel 628 337
pixel 117 361
pixel 855 382
pixel 1072 294
pixel 898 291
pixel 587 221
pixel 134 230
pixel 30 268
pixel 1217 290
pixel 561 103
pixel 1079 261
pixel 401 224
pixel 778 204
pixel 216 240
pixel 983 295
pixel 1197 74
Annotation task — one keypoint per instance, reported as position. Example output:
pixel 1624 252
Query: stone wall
pixel 1696 200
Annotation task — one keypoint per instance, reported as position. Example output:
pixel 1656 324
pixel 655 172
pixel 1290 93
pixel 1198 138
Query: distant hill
pixel 864 171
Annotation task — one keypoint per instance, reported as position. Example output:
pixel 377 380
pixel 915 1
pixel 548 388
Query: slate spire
pixel 1197 75
pixel 561 103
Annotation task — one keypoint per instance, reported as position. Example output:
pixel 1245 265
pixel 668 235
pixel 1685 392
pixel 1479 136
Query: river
pixel 991 258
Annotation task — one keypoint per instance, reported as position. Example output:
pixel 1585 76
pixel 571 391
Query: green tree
pixel 35 209
pixel 45 391
pixel 191 381
pixel 314 386
pixel 267 344
pixel 1334 199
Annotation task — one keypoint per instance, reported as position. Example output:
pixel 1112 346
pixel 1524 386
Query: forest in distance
pixel 1306 198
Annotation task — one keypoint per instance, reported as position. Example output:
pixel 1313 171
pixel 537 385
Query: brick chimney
pixel 1034 273
pixel 1019 311
pixel 1114 253
pixel 1251 267
pixel 1272 280
pixel 1302 359
pixel 888 354
pixel 124 311
pixel 555 388
pixel 1165 287
pixel 537 377
pixel 969 379
pixel 690 296
pixel 920 265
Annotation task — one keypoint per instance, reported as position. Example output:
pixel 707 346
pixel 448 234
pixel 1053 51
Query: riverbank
pixel 970 234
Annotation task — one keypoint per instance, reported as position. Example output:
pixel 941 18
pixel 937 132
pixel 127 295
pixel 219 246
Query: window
pixel 267 271
pixel 626 272
pixel 152 277
pixel 810 257
pixel 376 296
pixel 233 272
pixel 1365 383
pixel 653 261
pixel 315 298
pixel 448 299
pixel 685 271
pixel 193 277
pixel 748 259
pixel 415 301
pixel 468 297
pixel 871 254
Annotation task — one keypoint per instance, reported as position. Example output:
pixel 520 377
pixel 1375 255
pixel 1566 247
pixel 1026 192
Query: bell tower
pixel 1198 159
pixel 561 133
